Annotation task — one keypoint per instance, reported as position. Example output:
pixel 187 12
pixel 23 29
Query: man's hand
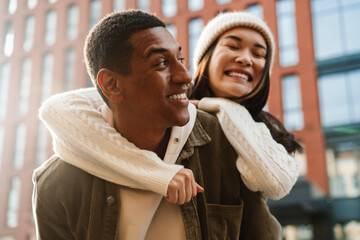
pixel 182 187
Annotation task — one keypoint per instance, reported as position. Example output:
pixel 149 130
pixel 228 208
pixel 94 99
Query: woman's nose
pixel 244 59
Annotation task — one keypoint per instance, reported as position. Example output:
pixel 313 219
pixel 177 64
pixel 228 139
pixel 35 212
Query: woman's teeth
pixel 240 75
pixel 178 96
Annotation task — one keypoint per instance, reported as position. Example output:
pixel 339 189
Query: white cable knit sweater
pixel 83 138
pixel 263 163
pixel 75 121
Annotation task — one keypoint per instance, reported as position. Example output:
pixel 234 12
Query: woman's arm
pixel 83 138
pixel 264 164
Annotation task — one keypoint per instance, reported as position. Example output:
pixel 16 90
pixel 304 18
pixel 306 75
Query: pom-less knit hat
pixel 226 21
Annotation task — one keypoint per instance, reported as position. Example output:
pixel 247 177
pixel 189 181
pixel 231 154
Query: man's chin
pixel 183 120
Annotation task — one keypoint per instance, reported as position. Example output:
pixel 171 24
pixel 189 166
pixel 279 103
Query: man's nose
pixel 180 74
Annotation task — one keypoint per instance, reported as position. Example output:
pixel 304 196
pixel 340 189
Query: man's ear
pixel 110 84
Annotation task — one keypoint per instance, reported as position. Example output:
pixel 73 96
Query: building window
pixel 2 135
pixel 19 149
pixel 50 27
pixel 288 50
pixel 72 21
pixel 342 38
pixel 13 203
pixel 95 12
pixel 169 8
pixel 25 84
pixel 292 106
pixel 41 144
pixel 143 5
pixel 12 6
pixel 339 95
pixel 4 88
pixel 47 75
pixel 303 232
pixel 69 68
pixel 119 5
pixel 31 3
pixel 29 32
pixel 301 158
pixel 255 10
pixel 172 29
pixel 343 163
pixel 195 5
pixel 195 27
pixel 8 39
pixel 347 230
pixel 7 237
pixel 222 1
pixel 90 83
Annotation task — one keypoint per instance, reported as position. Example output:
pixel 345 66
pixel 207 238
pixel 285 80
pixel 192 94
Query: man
pixel 140 75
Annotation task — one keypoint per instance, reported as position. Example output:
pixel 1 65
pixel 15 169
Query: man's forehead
pixel 154 38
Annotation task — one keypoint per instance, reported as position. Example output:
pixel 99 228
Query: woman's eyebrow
pixel 233 37
pixel 260 46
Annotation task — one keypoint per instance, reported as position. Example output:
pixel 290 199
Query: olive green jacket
pixel 69 203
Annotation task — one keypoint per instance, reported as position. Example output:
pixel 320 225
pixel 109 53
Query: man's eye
pixel 162 63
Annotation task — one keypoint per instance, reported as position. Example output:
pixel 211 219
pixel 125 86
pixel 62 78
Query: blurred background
pixel 315 91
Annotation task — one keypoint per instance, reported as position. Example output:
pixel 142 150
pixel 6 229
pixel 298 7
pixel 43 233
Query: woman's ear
pixel 109 83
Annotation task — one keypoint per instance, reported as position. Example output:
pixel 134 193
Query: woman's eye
pixel 232 47
pixel 260 55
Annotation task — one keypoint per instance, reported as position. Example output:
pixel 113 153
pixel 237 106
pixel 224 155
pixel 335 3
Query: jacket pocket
pixel 224 221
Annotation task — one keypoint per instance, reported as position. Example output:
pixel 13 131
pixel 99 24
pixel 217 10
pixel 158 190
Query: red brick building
pixel 315 91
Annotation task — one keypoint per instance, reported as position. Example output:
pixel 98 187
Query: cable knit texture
pixel 264 164
pixel 84 139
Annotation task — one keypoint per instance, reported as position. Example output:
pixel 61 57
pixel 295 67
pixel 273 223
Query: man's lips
pixel 178 96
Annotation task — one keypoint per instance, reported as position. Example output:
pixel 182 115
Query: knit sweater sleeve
pixel 83 138
pixel 263 163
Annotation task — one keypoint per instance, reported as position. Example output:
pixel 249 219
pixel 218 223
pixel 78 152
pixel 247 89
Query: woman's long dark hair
pixel 254 102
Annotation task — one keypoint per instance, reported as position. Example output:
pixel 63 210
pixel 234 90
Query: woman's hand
pixel 182 187
pixel 195 102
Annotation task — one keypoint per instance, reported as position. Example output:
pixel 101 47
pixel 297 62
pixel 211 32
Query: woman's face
pixel 237 62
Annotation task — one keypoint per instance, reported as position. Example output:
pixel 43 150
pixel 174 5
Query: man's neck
pixel 145 137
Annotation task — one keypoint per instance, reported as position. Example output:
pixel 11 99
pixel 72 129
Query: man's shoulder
pixel 206 118
pixel 209 123
pixel 55 175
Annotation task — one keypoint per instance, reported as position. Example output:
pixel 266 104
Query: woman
pixel 234 57
pixel 264 164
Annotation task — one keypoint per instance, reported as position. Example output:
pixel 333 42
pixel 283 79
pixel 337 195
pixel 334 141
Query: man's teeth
pixel 240 75
pixel 178 96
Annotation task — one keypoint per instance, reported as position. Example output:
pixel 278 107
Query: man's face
pixel 155 91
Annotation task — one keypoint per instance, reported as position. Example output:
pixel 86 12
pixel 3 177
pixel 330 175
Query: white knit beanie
pixel 226 21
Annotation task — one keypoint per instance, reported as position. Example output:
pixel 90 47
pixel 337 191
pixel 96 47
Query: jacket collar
pixel 198 137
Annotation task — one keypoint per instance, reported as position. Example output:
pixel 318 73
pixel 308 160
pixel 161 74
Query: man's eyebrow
pixel 236 38
pixel 157 51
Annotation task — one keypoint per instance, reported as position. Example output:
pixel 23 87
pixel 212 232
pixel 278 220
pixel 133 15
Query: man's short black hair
pixel 107 44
